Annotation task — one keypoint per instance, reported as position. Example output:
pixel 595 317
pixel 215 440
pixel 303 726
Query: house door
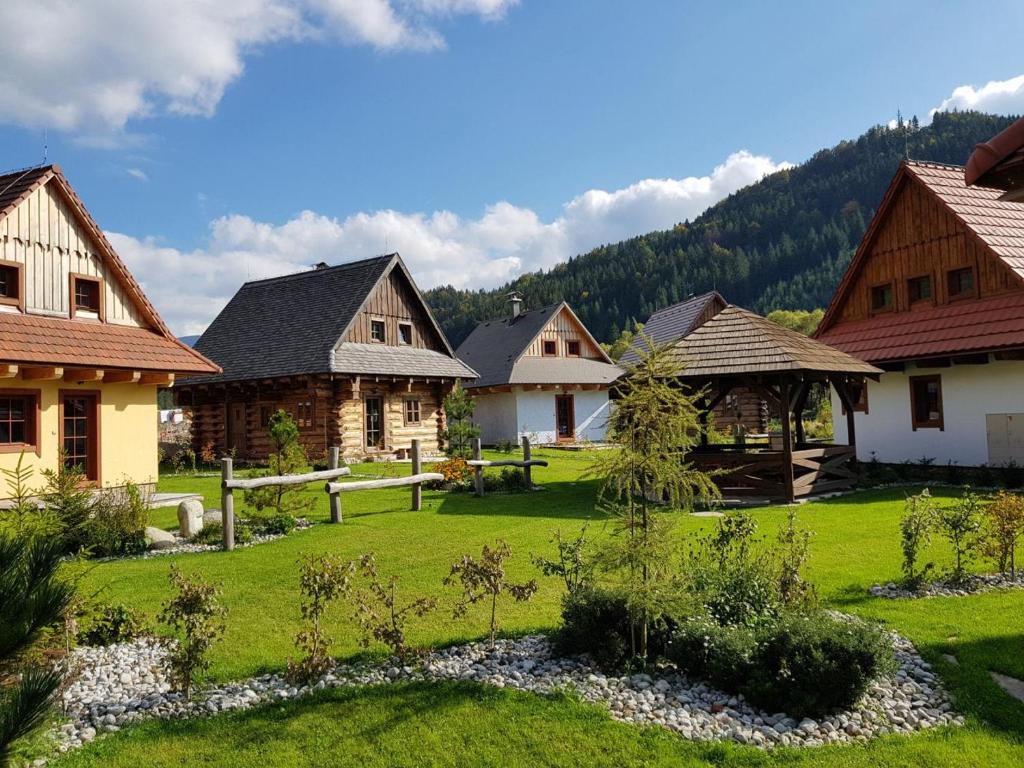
pixel 374 422
pixel 80 433
pixel 565 417
pixel 236 428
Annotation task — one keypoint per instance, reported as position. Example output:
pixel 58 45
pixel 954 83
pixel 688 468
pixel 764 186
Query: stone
pixel 1011 685
pixel 190 517
pixel 216 516
pixel 160 539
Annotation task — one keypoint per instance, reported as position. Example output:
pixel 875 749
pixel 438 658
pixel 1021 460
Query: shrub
pixel 275 525
pixel 112 624
pixel 1002 529
pixel 69 503
pixel 195 610
pixel 572 565
pixel 511 480
pixel 485 578
pixel 1011 474
pixel 457 473
pixel 810 665
pixel 378 611
pixel 959 523
pixel 22 510
pixel 596 621
pixel 915 533
pixel 117 524
pixel 504 446
pixel 287 458
pixel 213 533
pixel 721 655
pixel 460 430
pixel 321 580
pixel 792 550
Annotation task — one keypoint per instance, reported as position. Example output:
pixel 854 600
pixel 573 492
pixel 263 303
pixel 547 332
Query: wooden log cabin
pixel 742 410
pixel 352 352
pixel 935 297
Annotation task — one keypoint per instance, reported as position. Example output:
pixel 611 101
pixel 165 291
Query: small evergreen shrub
pixel 112 624
pixel 275 525
pixel 596 621
pixel 117 523
pixel 721 655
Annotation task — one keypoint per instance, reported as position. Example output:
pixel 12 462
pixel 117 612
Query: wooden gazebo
pixel 738 348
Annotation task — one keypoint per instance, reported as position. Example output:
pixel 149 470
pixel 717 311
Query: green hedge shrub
pixel 112 624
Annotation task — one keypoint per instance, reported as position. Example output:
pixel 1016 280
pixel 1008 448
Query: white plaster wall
pixel 535 413
pixel 969 392
pixel 495 414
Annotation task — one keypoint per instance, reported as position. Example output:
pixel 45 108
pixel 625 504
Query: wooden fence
pixel 478 464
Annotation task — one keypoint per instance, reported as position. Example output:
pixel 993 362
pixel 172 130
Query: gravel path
pixel 125 683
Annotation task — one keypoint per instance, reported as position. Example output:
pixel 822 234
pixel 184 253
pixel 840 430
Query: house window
pixel 572 348
pixel 19 417
pixel 304 414
pixel 10 283
pixel 266 412
pixel 405 333
pixel 881 298
pixel 412 412
pixel 550 348
pixel 377 330
pixel 919 288
pixel 961 283
pixel 926 402
pixel 85 293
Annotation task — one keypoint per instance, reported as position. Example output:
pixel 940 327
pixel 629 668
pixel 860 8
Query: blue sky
pixel 479 137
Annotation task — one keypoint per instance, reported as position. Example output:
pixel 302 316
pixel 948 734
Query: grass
pixel 856 544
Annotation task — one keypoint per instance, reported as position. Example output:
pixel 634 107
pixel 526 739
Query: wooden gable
pixel 915 235
pixel 48 237
pixel 562 327
pixel 395 301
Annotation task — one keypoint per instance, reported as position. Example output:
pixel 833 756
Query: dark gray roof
pixel 674 322
pixel 495 347
pixel 379 359
pixel 292 325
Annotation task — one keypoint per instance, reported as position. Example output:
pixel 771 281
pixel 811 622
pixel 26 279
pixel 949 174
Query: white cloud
pixel 92 66
pixel 189 288
pixel 137 173
pixel 1003 97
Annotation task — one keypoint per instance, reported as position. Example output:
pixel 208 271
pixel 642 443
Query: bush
pixel 721 655
pixel 275 525
pixel 69 503
pixel 117 525
pixel 457 474
pixel 213 533
pixel 322 578
pixel 811 665
pixel 511 480
pixel 959 524
pixel 112 624
pixel 596 621
pixel 916 527
pixel 1002 529
pixel 196 610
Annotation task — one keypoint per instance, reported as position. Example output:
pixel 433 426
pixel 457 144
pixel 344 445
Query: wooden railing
pixel 478 463
pixel 416 480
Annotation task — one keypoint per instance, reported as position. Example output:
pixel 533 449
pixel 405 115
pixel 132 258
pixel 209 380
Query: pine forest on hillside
pixel 781 243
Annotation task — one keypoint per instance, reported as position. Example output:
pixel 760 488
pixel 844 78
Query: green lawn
pixel 856 544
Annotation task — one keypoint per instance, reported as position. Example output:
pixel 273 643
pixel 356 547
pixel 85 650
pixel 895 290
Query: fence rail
pixel 478 464
pixel 416 480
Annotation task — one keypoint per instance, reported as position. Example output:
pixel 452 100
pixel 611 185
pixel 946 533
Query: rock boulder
pixel 190 517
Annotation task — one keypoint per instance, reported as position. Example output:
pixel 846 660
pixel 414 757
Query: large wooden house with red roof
pixel 934 296
pixel 82 351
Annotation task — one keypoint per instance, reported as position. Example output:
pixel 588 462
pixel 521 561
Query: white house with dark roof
pixel 540 374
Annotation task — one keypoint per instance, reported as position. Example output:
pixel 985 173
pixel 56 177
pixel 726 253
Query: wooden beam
pixel 787 441
pixel 121 377
pixel 8 371
pixel 82 375
pixel 41 374
pixel 156 379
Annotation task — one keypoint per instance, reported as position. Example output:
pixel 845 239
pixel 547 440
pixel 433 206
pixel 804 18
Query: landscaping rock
pixel 158 538
pixel 216 516
pixel 190 518
pixel 974 584
pixel 126 683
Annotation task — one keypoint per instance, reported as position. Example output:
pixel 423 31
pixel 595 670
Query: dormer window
pixel 572 348
pixel 10 284
pixel 919 288
pixel 960 283
pixel 405 333
pixel 881 298
pixel 86 296
pixel 550 348
pixel 377 330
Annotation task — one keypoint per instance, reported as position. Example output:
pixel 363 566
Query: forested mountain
pixel 781 243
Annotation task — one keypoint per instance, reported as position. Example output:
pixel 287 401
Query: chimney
pixel 320 265
pixel 516 300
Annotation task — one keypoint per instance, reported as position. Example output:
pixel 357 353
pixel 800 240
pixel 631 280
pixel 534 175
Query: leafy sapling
pixel 197 612
pixel 1002 530
pixel 322 579
pixel 916 528
pixel 572 565
pixel 960 524
pixel 485 579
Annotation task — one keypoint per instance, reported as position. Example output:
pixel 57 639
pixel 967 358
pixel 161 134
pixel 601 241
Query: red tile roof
pixel 998 162
pixel 982 325
pixel 27 339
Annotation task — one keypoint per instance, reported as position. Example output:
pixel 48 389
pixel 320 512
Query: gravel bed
pixel 974 584
pixel 184 546
pixel 125 683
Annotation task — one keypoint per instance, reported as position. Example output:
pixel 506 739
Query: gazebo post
pixel 703 417
pixel 787 440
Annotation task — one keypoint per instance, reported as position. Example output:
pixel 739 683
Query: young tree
pixel 572 565
pixel 1002 530
pixel 485 578
pixel 460 431
pixel 654 425
pixel 960 524
pixel 287 458
pixel 916 527
pixel 321 580
pixel 32 596
pixel 196 610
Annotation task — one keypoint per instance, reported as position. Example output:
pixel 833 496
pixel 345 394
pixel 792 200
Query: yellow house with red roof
pixel 82 350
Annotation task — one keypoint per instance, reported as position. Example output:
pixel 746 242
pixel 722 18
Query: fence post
pixel 478 471
pixel 227 504
pixel 417 491
pixel 527 473
pixel 335 498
